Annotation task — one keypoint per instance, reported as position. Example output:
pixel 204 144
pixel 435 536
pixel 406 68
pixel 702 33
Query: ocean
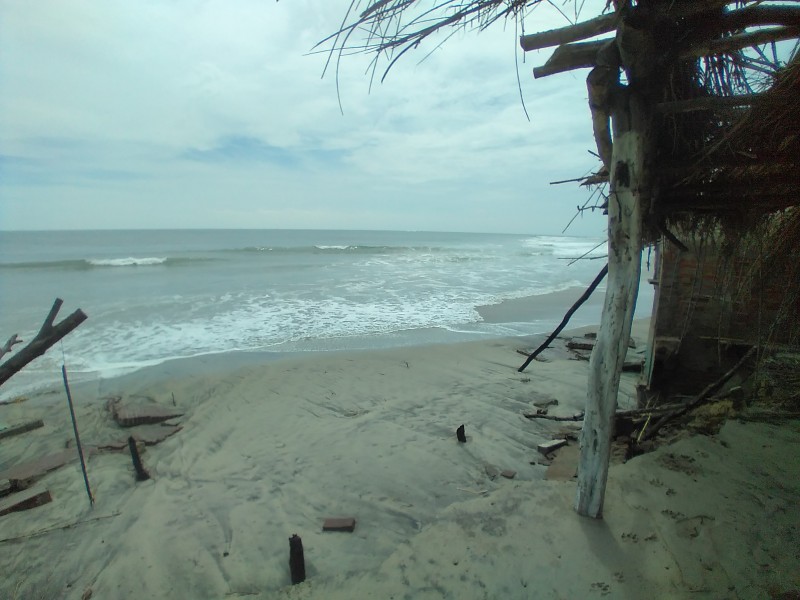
pixel 153 296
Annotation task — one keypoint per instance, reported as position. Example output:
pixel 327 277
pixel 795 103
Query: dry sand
pixel 271 449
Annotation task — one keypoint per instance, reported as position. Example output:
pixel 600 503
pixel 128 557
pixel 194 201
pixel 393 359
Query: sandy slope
pixel 270 450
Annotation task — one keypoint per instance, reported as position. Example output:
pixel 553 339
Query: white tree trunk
pixel 628 181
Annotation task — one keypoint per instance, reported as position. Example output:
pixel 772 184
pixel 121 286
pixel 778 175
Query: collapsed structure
pixel 694 113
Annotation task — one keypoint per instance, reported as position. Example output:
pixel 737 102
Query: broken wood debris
pixel 141 474
pixel 580 344
pixel 48 335
pixel 21 428
pixel 22 475
pixel 25 500
pixel 550 446
pixel 537 415
pixel 130 416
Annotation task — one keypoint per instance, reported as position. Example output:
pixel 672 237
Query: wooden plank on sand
pixel 24 500
pixel 339 524
pixel 28 471
pixel 129 416
pixel 21 428
pixel 547 447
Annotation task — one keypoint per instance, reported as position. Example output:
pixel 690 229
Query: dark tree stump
pixel 141 474
pixel 297 562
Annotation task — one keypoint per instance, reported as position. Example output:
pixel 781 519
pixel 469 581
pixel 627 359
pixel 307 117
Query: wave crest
pixel 130 261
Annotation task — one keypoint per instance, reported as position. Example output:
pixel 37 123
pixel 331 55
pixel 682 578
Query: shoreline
pixel 269 449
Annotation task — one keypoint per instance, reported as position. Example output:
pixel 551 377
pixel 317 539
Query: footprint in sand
pixel 602 587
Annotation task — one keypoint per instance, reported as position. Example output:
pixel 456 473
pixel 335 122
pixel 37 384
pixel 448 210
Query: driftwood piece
pixel 584 297
pixel 581 344
pixel 537 415
pixel 549 446
pixel 48 335
pixel 21 428
pixel 10 343
pixel 25 500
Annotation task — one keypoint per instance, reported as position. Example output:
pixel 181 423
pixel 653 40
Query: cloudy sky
pixel 213 113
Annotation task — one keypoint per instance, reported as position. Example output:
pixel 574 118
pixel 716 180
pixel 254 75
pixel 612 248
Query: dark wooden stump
pixel 297 562
pixel 462 437
pixel 141 474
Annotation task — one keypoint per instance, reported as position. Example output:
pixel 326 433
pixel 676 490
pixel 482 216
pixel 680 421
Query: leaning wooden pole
pixel 627 183
pixel 578 303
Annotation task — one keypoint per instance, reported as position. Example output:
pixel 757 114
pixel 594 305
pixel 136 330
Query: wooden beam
pixel 599 83
pixel 742 40
pixel 573 33
pixel 760 16
pixel 568 57
pixel 707 103
pixel 21 428
pixel 629 181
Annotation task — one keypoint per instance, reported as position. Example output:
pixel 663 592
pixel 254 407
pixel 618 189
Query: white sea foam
pixel 319 291
pixel 130 261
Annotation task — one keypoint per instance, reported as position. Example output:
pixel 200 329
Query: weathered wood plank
pixel 550 446
pixel 21 428
pixel 25 500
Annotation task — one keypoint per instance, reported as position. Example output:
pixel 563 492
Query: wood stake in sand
pixel 297 562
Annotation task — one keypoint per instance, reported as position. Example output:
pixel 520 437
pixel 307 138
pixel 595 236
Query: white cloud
pixel 215 113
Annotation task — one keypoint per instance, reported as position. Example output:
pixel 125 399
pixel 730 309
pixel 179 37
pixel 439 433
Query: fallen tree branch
pixel 600 276
pixel 12 341
pixel 48 335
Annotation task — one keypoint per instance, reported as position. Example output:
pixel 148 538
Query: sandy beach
pixel 268 449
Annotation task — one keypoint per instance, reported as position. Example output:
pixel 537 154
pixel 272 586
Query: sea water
pixel 152 296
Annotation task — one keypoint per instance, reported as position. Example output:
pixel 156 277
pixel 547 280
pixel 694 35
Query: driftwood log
pixel 48 335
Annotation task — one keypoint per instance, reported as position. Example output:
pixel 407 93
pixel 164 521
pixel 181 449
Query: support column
pixel 627 183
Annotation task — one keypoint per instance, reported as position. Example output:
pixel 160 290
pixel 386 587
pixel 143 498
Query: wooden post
pixel 628 181
pixel 141 474
pixel 297 562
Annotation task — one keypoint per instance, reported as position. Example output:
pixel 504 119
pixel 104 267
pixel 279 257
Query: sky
pixel 216 114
